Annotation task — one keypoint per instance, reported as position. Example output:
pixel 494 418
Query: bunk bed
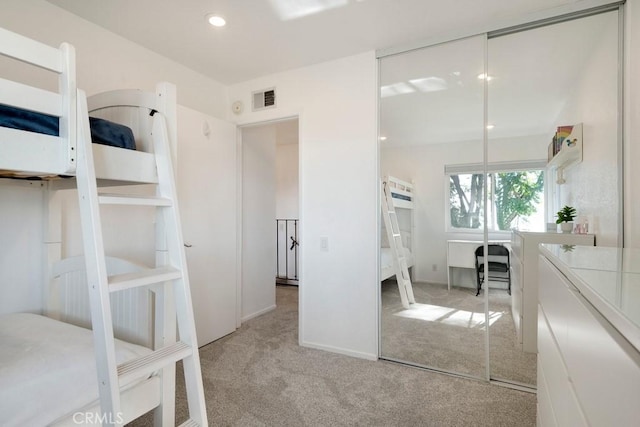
pixel 51 363
pixel 402 194
pixel 45 360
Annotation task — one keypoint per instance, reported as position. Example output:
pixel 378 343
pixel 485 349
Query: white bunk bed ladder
pixel 398 253
pixel 174 272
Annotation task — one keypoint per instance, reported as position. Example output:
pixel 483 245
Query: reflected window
pixel 516 201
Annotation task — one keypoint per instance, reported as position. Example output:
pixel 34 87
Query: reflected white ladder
pixel 398 253
pixel 170 277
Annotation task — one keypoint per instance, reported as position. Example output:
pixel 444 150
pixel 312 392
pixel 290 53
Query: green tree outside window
pixel 514 196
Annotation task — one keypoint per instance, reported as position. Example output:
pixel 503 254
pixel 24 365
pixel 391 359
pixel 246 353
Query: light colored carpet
pixel 260 376
pixel 445 330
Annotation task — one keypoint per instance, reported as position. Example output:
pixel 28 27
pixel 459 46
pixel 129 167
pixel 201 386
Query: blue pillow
pixel 102 131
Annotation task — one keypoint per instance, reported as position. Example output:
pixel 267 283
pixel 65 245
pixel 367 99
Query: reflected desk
pixel 461 254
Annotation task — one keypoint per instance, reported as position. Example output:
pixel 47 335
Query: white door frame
pixel 239 209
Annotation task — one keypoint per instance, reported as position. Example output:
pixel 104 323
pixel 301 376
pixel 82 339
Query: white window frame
pixel 495 167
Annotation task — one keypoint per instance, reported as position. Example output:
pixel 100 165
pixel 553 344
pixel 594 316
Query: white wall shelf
pixel 570 152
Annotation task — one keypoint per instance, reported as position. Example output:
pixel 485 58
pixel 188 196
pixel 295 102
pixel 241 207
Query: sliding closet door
pixel 556 82
pixel 431 132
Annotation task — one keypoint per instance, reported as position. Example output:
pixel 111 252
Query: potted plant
pixel 565 218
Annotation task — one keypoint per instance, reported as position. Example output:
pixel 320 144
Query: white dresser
pixel 524 279
pixel 589 337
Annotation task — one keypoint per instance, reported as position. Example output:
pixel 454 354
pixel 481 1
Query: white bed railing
pixel 401 192
pixel 26 151
pixel 131 309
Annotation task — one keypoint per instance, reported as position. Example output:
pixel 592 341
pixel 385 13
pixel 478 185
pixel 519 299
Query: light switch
pixel 324 243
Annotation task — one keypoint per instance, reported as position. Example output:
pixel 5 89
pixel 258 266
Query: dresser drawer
pixel 602 366
pixel 545 416
pixel 566 410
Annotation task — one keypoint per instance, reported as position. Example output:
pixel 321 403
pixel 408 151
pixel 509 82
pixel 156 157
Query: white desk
pixel 461 254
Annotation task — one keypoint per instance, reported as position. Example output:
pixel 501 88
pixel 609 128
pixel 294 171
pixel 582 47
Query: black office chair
pixel 496 265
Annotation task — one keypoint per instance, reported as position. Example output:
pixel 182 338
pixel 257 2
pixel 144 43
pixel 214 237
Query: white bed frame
pixel 28 153
pixel 404 190
pixel 137 400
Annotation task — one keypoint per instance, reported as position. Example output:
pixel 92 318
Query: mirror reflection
pixel 561 92
pixel 552 141
pixel 431 115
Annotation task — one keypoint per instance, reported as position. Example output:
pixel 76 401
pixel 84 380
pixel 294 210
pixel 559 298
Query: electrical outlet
pixel 434 267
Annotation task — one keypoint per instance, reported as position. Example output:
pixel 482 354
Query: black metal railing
pixel 287 251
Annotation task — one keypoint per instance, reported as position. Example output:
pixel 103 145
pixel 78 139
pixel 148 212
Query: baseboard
pixel 344 351
pixel 258 313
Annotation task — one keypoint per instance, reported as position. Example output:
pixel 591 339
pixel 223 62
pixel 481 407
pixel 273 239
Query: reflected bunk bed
pixel 396 255
pixel 53 370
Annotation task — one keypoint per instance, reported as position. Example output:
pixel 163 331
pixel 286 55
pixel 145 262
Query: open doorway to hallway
pixel 270 191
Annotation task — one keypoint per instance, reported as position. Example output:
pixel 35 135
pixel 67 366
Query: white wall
pixel 425 166
pixel 336 103
pixel 287 181
pixel 106 61
pixel 592 186
pixel 258 220
pixel 21 253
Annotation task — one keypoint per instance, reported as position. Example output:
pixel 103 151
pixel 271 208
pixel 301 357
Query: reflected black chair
pixel 499 265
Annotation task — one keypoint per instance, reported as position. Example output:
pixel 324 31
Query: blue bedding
pixel 102 131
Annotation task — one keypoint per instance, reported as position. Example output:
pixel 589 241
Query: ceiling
pixel 263 37
pixel 269 36
pixel 434 95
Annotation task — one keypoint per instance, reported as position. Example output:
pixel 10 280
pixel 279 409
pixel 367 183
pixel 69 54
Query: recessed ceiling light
pixel 383 138
pixel 490 126
pixel 216 20
pixel 484 76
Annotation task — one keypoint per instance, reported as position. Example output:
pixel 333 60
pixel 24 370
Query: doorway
pixel 269 191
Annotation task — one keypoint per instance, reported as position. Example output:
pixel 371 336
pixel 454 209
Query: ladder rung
pixel 189 423
pixel 397 235
pixel 144 366
pixel 152 276
pixel 130 199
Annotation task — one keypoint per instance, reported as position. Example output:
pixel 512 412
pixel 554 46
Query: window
pixel 516 199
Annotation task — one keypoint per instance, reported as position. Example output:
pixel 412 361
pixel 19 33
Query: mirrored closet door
pixel 553 82
pixel 474 131
pixel 431 117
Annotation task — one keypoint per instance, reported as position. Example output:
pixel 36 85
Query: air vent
pixel 264 99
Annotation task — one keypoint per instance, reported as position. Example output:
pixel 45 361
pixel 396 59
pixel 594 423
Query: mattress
pixel 48 369
pixel 102 131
